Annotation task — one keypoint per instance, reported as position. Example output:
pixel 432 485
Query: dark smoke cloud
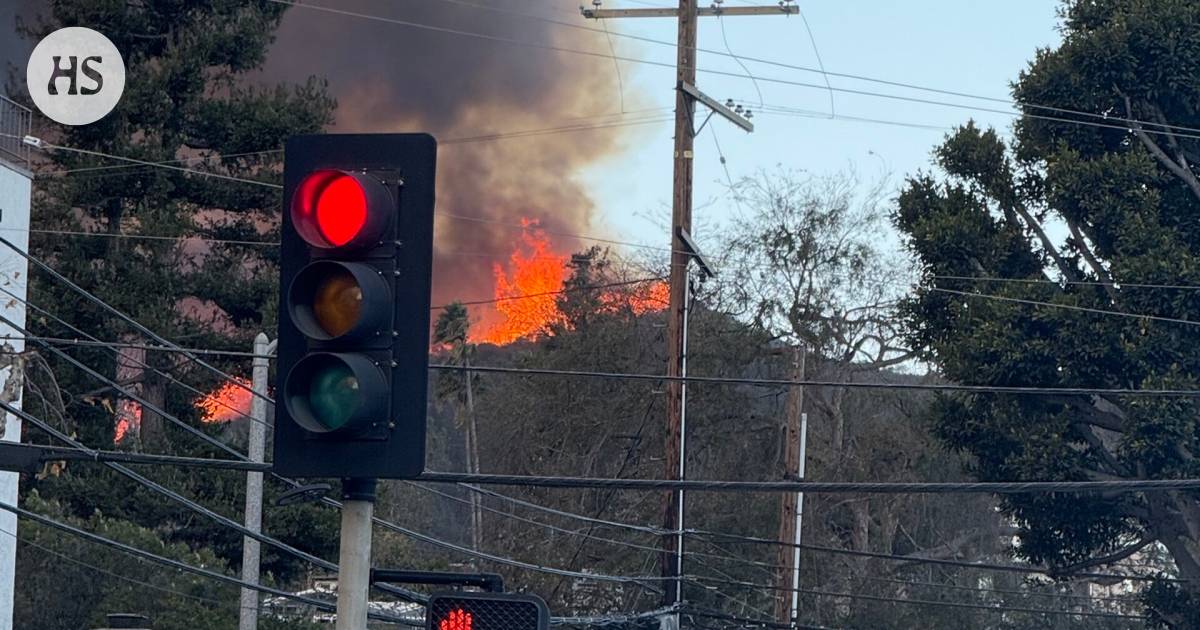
pixel 388 77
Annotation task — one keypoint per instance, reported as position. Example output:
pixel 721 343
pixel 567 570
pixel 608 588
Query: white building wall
pixel 15 189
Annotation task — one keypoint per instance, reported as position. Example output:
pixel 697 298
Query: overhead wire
pixel 753 80
pixel 640 580
pixel 183 566
pixel 915 559
pixel 124 357
pixel 764 382
pixel 320 562
pixel 999 608
pixel 586 574
pixel 820 69
pixel 820 63
pixel 819 487
pixel 168 164
pixel 25 540
pixel 1166 129
pixel 1068 307
pixel 701 534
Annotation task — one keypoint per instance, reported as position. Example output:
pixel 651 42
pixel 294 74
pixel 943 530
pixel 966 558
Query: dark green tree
pixel 1081 210
pixel 187 251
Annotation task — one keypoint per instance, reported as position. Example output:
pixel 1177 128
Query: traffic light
pixel 355 260
pixel 486 611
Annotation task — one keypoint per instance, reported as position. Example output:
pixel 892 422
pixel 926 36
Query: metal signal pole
pixel 682 248
pixel 354 556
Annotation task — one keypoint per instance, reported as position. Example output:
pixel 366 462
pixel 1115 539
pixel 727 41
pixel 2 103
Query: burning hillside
pixel 527 293
pixel 229 402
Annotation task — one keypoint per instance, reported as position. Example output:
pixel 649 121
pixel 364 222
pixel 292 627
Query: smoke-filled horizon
pixel 389 77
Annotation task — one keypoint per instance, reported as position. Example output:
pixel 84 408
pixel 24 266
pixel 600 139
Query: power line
pixel 764 565
pixel 168 164
pixel 123 317
pixel 1193 133
pixel 966 564
pixel 1023 593
pixel 141 363
pixel 761 382
pixel 60 453
pixel 924 602
pixel 720 380
pixel 791 66
pixel 44 145
pixel 704 534
pixel 820 487
pixel 24 540
pixel 182 566
pixel 1068 307
pixel 1114 283
pixel 980 279
pixel 640 580
pixel 262 538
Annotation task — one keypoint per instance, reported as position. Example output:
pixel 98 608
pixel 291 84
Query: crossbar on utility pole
pixel 601 14
pixel 686 97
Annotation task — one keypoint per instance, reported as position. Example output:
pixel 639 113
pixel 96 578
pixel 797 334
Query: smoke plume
pixel 390 77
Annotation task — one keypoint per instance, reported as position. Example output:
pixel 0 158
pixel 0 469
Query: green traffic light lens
pixel 342 393
pixel 333 395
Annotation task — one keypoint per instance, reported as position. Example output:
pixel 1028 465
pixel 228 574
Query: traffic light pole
pixel 354 557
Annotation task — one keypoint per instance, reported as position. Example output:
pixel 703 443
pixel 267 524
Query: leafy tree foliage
pixel 170 248
pixel 1125 196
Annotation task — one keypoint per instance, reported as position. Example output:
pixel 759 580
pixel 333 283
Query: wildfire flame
pixel 129 420
pixel 526 300
pixel 645 298
pixel 527 294
pixel 228 402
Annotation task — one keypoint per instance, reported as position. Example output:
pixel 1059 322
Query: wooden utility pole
pixel 683 250
pixel 790 510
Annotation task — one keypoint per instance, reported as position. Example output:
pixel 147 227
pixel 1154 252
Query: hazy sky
pixel 972 47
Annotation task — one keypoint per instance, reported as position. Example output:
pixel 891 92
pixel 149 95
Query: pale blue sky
pixel 960 45
pixel 972 47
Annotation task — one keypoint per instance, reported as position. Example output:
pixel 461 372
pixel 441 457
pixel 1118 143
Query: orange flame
pixel 647 297
pixel 527 300
pixel 129 418
pixel 527 294
pixel 229 402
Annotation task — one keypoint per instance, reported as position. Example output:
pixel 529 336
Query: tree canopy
pixel 1045 258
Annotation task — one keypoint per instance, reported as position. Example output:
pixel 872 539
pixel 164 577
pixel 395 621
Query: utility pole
pixel 682 248
pixel 791 506
pixel 248 618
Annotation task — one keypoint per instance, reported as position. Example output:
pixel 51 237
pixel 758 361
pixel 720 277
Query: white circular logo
pixel 75 76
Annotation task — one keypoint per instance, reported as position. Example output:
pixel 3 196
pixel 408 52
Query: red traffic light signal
pixel 355 259
pixel 486 611
pixel 333 209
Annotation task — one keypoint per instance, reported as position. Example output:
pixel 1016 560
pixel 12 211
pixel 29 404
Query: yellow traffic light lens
pixel 333 395
pixel 337 303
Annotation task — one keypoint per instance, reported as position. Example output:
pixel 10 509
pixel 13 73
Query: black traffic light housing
pixel 355 264
pixel 486 611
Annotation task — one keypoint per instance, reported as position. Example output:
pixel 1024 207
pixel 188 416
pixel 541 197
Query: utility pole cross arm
pixel 716 106
pixel 603 14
